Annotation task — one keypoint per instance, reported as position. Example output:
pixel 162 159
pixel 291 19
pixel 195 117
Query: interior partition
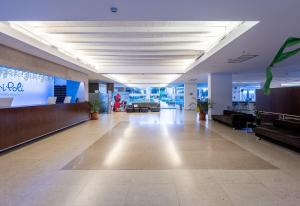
pixel 285 100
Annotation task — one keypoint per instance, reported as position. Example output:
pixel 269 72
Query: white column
pixel 190 96
pixel 148 94
pixel 219 92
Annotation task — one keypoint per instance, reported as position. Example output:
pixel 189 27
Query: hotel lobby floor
pixel 165 158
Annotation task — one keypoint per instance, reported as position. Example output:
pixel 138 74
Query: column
pixel 110 90
pixel 148 94
pixel 219 93
pixel 190 96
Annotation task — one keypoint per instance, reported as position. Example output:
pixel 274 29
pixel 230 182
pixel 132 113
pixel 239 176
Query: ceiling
pixel 132 52
pixel 277 21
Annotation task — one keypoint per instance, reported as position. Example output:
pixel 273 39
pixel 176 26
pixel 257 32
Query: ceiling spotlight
pixel 114 9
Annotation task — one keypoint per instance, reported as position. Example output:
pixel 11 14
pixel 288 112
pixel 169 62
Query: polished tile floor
pixel 165 158
pixel 155 146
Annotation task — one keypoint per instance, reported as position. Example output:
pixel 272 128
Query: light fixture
pixel 111 48
pixel 291 84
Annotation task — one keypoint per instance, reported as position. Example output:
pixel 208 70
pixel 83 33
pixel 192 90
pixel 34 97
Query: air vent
pixel 242 58
pixel 193 80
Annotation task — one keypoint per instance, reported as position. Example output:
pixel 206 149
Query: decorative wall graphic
pixel 27 88
pixel 280 56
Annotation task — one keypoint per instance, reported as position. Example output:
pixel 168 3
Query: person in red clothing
pixel 117 104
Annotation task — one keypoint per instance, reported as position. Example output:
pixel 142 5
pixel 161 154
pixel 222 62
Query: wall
pixel 26 88
pixel 219 92
pixel 75 90
pixel 17 59
pixel 190 96
pixel 285 100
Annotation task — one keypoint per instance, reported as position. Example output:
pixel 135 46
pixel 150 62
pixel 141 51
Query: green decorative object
pixel 95 106
pixel 280 56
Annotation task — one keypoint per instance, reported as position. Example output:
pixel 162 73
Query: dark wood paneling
pixel 93 87
pixel 22 124
pixel 285 100
pixel 110 87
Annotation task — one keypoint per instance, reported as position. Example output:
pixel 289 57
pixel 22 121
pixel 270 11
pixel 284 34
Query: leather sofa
pixel 283 131
pixel 143 107
pixel 234 119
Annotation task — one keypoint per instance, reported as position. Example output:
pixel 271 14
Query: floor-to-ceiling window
pixel 202 92
pixel 168 97
pixel 243 96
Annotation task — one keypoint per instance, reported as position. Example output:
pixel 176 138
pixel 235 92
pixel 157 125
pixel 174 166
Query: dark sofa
pixel 234 119
pixel 143 107
pixel 283 131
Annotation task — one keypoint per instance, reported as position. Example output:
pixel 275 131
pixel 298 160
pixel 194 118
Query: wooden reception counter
pixel 22 124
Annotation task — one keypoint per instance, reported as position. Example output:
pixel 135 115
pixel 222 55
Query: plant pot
pixel 202 116
pixel 94 115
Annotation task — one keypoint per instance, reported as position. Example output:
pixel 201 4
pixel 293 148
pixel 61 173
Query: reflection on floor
pixel 87 166
pixel 154 146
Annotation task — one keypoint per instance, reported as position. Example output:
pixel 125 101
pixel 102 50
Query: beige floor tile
pixel 233 166
pixel 251 195
pixel 271 176
pixel 233 176
pixel 97 194
pixel 208 194
pixel 152 195
pixel 57 190
pixel 157 147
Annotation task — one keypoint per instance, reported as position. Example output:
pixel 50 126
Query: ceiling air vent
pixel 242 58
pixel 193 80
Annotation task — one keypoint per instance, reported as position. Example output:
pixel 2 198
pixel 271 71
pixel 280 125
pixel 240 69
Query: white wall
pixel 190 95
pixel 25 88
pixel 81 92
pixel 219 92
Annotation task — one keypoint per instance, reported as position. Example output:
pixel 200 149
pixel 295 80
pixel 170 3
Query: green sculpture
pixel 280 56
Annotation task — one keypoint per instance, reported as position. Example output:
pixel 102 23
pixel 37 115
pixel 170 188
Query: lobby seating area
pixel 283 131
pixel 143 107
pixel 150 103
pixel 234 119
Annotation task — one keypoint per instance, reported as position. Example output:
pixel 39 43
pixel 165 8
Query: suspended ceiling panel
pixel 135 51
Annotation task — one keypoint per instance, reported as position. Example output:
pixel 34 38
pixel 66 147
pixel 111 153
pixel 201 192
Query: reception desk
pixel 22 124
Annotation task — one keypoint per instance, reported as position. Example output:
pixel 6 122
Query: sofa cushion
pixel 284 136
pixel 292 125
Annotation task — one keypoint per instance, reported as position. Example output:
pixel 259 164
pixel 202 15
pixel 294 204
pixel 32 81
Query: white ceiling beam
pixel 143 68
pixel 127 23
pixel 140 70
pixel 131 36
pixel 144 76
pixel 124 29
pixel 126 64
pixel 117 40
pixel 121 44
pixel 139 48
pixel 142 58
pixel 142 53
pixel 135 48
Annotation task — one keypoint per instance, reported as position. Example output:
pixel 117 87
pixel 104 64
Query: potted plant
pixel 95 106
pixel 258 117
pixel 202 108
